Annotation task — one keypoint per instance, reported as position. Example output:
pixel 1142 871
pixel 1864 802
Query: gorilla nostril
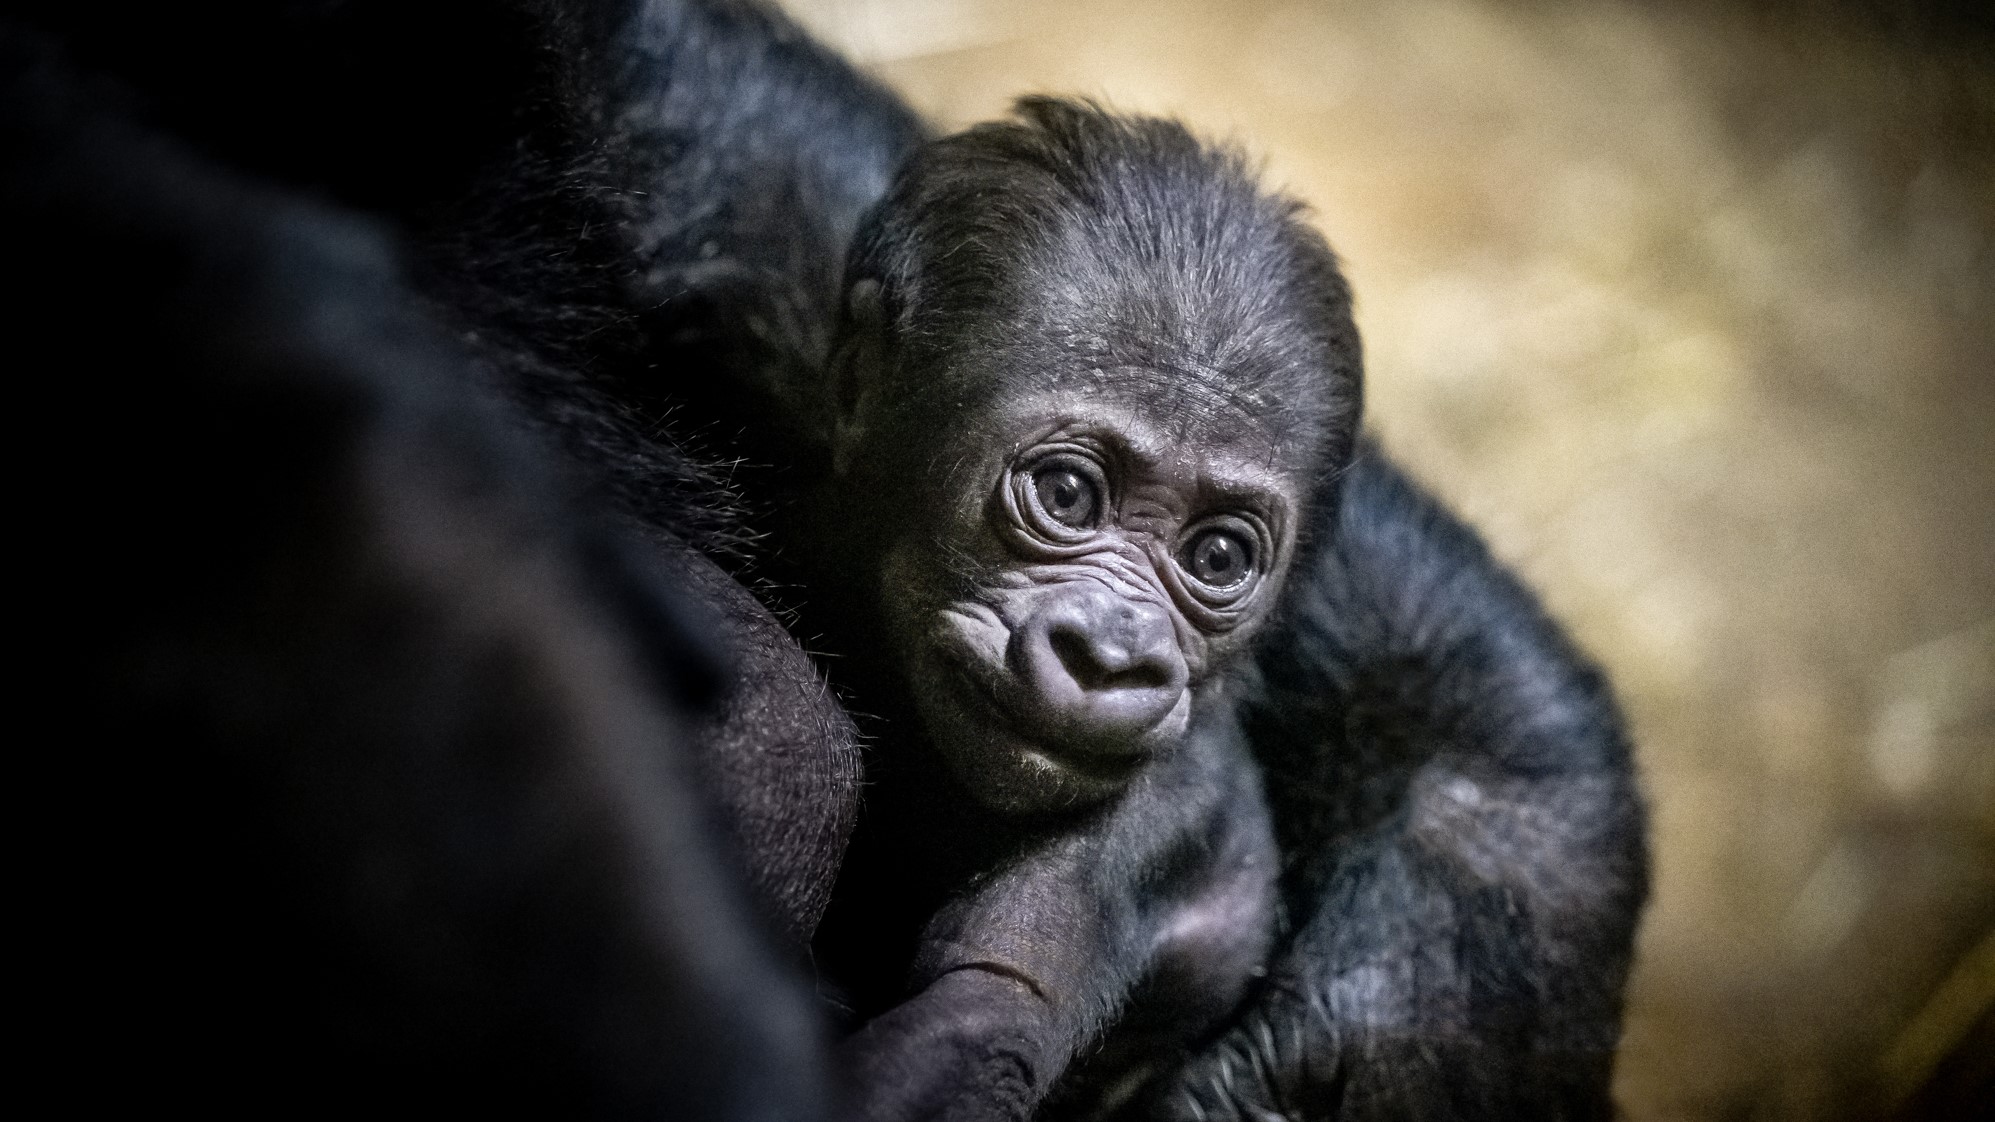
pixel 1097 662
pixel 1094 672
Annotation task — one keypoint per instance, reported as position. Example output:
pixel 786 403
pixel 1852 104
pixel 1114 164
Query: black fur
pixel 397 353
pixel 756 152
pixel 372 739
pixel 1465 842
pixel 489 140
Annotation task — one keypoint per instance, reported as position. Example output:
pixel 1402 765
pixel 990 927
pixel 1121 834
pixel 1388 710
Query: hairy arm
pixel 1164 897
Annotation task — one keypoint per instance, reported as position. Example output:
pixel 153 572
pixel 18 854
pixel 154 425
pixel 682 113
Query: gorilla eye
pixel 1219 558
pixel 1067 496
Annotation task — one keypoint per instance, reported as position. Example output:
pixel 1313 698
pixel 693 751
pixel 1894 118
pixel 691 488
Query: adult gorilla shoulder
pixel 376 756
pixel 494 146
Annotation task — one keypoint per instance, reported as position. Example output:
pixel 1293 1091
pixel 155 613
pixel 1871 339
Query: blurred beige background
pixel 1691 308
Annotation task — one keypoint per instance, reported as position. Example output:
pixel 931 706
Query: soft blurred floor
pixel 1694 314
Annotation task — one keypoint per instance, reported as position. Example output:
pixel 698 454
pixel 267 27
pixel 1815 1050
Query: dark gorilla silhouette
pixel 432 745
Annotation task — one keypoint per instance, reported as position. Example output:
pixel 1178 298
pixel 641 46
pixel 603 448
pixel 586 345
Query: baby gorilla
pixel 1091 388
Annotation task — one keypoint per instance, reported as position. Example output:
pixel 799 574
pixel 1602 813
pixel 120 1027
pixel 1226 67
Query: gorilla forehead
pixel 1135 357
pixel 1194 433
pixel 1154 416
pixel 1198 350
pixel 1073 243
pixel 1218 294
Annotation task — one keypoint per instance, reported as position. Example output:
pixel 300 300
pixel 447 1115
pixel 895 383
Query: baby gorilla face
pixel 1110 558
pixel 1088 372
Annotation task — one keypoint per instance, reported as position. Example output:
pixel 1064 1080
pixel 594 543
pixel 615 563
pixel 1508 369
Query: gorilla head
pixel 1090 382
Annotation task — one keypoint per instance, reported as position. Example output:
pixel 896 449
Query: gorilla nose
pixel 1101 669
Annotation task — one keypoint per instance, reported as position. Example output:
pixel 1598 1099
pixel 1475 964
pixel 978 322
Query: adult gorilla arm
pixel 752 151
pixel 1454 794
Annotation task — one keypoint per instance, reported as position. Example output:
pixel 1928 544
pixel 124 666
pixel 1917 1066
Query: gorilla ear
pixel 855 370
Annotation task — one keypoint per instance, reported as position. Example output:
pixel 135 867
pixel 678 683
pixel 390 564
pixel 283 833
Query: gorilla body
pixel 1075 419
pixel 427 663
